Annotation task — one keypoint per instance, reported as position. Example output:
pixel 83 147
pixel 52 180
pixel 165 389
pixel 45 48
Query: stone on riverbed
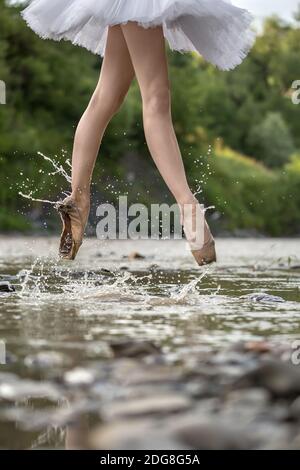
pixel 46 359
pixel 259 347
pixel 211 434
pixel 135 255
pixel 24 389
pixel 281 379
pixel 134 348
pixel 79 377
pixel 188 432
pixel 295 409
pixel 137 434
pixel 262 297
pixel 149 406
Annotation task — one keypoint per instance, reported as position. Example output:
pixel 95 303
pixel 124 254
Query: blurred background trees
pixel 239 131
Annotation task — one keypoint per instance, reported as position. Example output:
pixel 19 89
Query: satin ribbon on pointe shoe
pixel 73 228
pixel 198 235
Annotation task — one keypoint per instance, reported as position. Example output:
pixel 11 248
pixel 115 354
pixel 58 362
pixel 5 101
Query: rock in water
pixel 259 347
pixel 164 404
pixel 262 297
pixel 295 409
pixel 281 379
pixel 212 435
pixel 135 255
pixel 46 360
pixel 6 286
pixel 134 348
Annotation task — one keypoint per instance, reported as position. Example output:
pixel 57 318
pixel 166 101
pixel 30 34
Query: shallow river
pixel 110 293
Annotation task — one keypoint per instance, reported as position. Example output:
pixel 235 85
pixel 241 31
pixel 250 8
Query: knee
pixel 104 102
pixel 157 101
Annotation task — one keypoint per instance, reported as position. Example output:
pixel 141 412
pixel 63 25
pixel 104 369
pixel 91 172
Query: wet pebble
pixel 253 397
pixel 202 389
pixel 295 409
pixel 134 348
pixel 23 389
pixel 79 377
pixel 197 433
pixel 137 434
pixel 245 405
pixel 259 347
pixel 130 372
pixel 262 297
pixel 135 255
pixel 281 379
pixel 46 360
pixel 159 404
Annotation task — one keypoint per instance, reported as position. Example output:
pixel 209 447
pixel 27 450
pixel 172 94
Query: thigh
pixel 117 71
pixel 147 50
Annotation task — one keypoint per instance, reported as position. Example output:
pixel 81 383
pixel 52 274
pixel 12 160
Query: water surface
pixel 74 310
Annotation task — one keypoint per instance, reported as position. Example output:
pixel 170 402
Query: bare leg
pixel 148 55
pixel 115 78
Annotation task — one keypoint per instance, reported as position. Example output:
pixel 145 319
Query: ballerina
pixel 131 36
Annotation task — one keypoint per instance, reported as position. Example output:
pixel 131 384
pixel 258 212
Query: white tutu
pixel 217 30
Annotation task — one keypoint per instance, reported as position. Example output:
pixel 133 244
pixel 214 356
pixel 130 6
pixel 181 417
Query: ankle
pixel 81 196
pixel 187 200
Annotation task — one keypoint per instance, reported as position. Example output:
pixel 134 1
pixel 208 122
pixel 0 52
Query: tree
pixel 271 140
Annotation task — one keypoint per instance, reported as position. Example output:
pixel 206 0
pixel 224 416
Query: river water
pixel 64 315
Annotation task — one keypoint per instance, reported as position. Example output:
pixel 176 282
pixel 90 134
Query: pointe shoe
pixel 202 248
pixel 207 254
pixel 73 228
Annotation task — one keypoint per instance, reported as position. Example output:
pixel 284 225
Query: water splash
pixel 31 198
pixel 58 170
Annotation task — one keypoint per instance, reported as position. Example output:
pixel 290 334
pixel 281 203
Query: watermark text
pixel 296 93
pixel 2 352
pixel 2 92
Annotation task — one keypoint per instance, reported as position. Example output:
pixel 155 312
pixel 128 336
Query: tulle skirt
pixel 216 29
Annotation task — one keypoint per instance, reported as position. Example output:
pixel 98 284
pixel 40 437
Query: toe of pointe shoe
pixel 73 229
pixel 72 253
pixel 206 255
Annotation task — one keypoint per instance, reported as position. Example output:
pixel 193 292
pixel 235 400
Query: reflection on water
pixel 63 317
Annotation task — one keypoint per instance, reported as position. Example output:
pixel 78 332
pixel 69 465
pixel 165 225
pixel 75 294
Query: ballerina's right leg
pixel 116 76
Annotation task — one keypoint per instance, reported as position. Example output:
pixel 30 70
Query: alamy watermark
pixel 2 92
pixel 296 93
pixel 138 221
pixel 2 352
pixel 295 355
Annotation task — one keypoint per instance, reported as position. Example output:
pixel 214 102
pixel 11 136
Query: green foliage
pixel 249 196
pixel 248 110
pixel 271 140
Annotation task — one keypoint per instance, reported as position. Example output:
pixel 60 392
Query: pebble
pixel 79 377
pixel 259 347
pixel 46 360
pixel 159 404
pixel 134 348
pixel 137 434
pixel 23 389
pixel 295 409
pixel 211 435
pixel 262 297
pixel 135 255
pixel 281 379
